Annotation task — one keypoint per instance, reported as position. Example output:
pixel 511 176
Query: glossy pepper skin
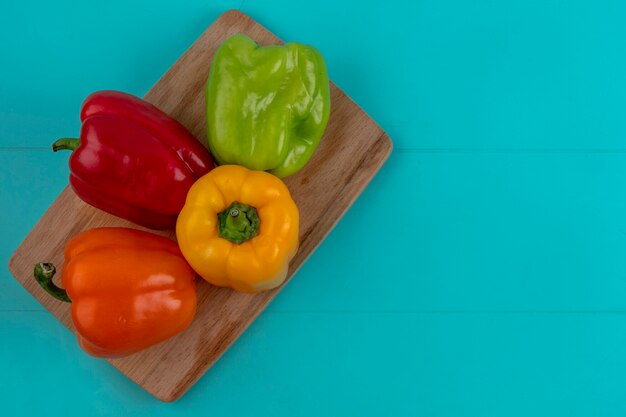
pixel 129 289
pixel 132 160
pixel 239 229
pixel 267 107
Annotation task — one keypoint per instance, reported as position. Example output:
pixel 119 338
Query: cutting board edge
pixel 15 254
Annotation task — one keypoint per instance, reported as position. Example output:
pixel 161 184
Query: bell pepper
pixel 239 229
pixel 266 107
pixel 129 289
pixel 132 160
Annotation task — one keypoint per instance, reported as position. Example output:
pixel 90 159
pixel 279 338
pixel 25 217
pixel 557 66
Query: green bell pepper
pixel 266 107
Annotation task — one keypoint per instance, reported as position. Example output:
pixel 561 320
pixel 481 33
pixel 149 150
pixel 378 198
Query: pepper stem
pixel 66 144
pixel 43 274
pixel 238 223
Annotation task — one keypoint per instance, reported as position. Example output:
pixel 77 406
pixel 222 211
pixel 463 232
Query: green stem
pixel 43 274
pixel 66 144
pixel 238 223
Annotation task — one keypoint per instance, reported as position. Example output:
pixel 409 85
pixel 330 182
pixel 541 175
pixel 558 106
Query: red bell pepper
pixel 132 160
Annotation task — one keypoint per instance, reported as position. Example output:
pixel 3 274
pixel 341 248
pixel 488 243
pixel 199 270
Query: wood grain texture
pixel 351 152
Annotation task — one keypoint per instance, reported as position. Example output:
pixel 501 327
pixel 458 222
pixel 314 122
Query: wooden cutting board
pixel 351 152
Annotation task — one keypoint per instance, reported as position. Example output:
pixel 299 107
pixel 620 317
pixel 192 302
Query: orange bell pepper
pixel 129 289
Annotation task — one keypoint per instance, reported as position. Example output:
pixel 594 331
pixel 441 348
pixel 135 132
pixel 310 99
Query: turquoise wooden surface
pixel 498 288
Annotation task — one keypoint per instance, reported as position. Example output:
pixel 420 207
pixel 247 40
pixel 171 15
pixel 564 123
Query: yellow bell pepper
pixel 239 229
